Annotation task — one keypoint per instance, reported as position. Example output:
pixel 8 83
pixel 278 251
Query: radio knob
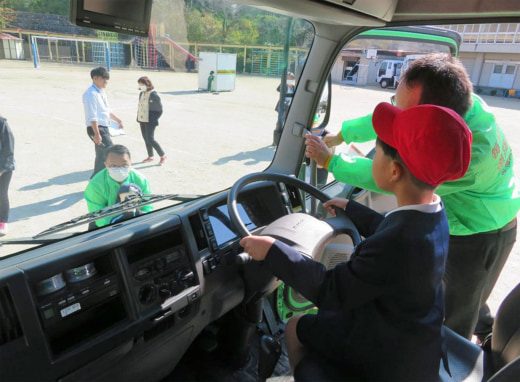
pixel 147 294
pixel 186 275
pixel 159 264
pixel 164 291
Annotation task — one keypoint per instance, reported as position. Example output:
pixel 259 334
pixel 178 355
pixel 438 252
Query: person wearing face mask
pixel 149 111
pixel 104 188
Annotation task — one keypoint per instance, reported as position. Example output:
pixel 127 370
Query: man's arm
pixel 97 137
pixel 95 202
pixel 355 171
pixel 352 130
pixel 115 118
pixel 358 130
pixel 90 106
pixel 146 191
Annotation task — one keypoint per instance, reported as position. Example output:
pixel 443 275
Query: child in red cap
pixel 380 314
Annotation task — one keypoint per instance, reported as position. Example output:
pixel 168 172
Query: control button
pixel 186 275
pixel 214 245
pixel 48 313
pixel 164 291
pixel 192 297
pixel 212 263
pixel 206 266
pixel 147 294
pixel 142 273
pixel 204 214
pixel 159 264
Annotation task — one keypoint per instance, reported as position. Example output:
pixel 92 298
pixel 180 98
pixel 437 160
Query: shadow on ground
pixel 45 206
pixel 73 177
pixel 264 154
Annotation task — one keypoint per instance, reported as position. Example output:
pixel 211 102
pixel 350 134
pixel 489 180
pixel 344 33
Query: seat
pixel 498 362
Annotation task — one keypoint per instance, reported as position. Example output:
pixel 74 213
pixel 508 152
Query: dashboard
pixel 126 301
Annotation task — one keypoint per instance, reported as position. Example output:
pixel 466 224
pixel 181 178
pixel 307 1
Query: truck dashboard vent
pixel 10 328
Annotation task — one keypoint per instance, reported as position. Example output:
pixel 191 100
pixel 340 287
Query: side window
pixel 351 99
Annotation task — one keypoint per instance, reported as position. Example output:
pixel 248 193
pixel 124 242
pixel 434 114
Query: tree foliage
pixel 217 21
pixel 204 21
pixel 6 15
pixel 57 7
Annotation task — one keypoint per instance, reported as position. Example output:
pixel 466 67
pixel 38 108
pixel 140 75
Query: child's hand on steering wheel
pixel 336 202
pixel 257 246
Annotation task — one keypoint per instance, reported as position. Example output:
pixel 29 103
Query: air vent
pixel 10 328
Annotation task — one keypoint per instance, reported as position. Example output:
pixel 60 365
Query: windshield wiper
pixel 115 209
pixel 131 202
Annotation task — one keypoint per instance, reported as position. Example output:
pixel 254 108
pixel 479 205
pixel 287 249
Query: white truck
pixel 390 70
pixel 388 73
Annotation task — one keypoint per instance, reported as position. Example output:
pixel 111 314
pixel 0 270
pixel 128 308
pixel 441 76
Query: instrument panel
pixel 130 291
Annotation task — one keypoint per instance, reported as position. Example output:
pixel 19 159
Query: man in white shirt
pixel 98 115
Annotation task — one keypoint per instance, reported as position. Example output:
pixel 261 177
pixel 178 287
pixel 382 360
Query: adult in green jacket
pixel 481 206
pixel 103 189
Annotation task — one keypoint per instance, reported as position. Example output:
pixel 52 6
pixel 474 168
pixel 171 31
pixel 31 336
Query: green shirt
pixel 102 192
pixel 486 198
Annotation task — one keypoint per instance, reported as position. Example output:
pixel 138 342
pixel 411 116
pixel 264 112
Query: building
pixel 490 53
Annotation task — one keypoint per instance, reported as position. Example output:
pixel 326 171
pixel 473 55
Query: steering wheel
pixel 302 231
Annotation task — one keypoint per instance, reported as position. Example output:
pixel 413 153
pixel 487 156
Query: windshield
pixel 197 104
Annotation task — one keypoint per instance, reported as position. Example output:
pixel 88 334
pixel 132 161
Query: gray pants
pixel 472 269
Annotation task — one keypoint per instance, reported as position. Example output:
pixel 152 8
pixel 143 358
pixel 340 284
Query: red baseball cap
pixel 434 142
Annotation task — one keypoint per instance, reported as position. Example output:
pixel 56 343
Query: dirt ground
pixel 55 159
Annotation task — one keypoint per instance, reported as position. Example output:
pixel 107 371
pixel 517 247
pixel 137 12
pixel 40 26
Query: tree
pixel 57 7
pixel 6 15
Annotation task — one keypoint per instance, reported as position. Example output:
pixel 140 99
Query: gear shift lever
pixel 269 354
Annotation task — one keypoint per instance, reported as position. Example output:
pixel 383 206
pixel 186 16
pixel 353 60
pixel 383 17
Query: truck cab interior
pixel 170 295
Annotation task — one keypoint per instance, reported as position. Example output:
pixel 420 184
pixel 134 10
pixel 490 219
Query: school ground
pixel 55 157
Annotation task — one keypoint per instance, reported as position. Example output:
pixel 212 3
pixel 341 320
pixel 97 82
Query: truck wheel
pixel 384 83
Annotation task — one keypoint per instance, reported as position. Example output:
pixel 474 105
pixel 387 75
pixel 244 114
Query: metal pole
pixel 283 86
pixel 107 52
pixel 314 182
pixel 33 46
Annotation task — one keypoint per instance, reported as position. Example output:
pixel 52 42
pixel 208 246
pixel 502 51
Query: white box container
pixel 223 66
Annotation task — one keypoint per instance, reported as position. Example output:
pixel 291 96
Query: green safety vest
pixel 486 198
pixel 102 191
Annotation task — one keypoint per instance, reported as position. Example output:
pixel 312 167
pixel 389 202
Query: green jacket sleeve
pixel 97 197
pixel 358 130
pixel 146 190
pixel 356 171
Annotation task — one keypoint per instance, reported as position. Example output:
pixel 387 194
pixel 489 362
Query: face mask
pixel 290 82
pixel 143 88
pixel 119 174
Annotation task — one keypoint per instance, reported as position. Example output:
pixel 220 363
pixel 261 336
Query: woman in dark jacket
pixel 148 112
pixel 7 165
